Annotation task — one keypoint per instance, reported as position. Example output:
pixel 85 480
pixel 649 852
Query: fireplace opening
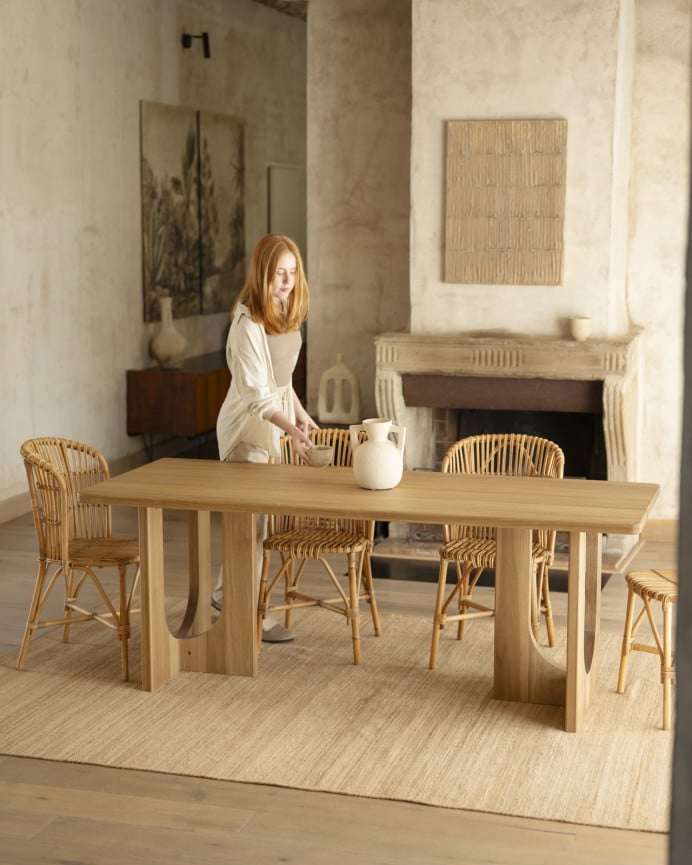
pixel 570 413
pixel 580 435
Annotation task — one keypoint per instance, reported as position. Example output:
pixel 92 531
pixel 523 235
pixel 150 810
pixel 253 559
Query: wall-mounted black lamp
pixel 187 42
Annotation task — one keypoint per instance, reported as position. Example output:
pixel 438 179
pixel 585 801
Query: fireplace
pixel 567 412
pixel 428 382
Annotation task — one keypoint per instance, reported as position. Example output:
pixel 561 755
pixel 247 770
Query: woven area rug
pixel 390 728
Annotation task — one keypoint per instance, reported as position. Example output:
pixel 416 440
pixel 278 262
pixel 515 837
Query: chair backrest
pixel 503 454
pixel 340 440
pixel 57 470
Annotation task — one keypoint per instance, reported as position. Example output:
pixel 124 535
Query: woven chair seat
pixel 481 553
pixel 658 585
pixel 313 543
pixel 104 552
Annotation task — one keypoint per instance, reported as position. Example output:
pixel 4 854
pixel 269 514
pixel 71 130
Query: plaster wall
pixel 359 129
pixel 72 74
pixel 660 176
pixel 525 58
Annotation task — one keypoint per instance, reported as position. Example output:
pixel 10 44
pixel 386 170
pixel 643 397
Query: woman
pixel 262 351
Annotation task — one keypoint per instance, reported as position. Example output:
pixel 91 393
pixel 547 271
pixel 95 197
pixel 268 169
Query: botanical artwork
pixel 505 207
pixel 222 213
pixel 192 210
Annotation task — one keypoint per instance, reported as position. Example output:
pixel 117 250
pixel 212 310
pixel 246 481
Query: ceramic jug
pixel 378 462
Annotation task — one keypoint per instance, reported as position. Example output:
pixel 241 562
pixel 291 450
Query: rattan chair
pixel 473 548
pixel 650 587
pixel 75 541
pixel 300 539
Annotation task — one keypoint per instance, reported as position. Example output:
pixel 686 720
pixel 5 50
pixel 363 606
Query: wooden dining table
pixel 585 509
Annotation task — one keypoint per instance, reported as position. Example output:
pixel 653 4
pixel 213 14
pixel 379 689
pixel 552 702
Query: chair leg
pixel 370 589
pixel 353 606
pixel 123 630
pixel 262 599
pixel 466 587
pixel 438 617
pixel 667 670
pixel 626 642
pixel 33 613
pixel 545 605
pixel 71 593
pixel 289 585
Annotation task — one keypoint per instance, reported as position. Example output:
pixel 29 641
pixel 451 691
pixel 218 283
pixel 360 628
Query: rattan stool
pixel 650 586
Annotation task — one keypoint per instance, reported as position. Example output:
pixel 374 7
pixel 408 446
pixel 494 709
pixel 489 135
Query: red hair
pixel 256 294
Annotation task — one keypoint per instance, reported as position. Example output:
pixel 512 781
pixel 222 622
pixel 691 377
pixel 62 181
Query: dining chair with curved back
pixel 473 548
pixel 301 539
pixel 75 541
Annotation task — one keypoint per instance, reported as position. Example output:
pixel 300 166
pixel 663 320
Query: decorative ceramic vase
pixel 168 346
pixel 378 462
pixel 338 397
pixel 580 328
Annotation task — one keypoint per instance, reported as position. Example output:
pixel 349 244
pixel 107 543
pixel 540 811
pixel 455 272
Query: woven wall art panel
pixel 505 207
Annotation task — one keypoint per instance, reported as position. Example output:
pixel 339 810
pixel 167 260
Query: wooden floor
pixel 56 813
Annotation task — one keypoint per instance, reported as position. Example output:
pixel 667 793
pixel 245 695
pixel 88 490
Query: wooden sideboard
pixel 185 401
pixel 177 402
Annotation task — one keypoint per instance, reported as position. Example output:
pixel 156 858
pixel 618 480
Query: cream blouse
pixel 254 395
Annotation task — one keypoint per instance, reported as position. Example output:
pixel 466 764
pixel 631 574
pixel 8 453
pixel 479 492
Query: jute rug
pixel 390 728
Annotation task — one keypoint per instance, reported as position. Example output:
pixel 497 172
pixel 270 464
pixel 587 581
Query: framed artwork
pixel 505 201
pixel 222 210
pixel 192 178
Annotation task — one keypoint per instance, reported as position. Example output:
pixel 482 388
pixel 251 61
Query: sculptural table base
pixel 199 645
pixel 530 676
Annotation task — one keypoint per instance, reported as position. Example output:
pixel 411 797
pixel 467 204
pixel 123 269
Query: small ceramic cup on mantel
pixel 580 328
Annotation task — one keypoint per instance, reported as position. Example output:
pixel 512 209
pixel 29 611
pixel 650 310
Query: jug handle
pixel 354 429
pixel 400 433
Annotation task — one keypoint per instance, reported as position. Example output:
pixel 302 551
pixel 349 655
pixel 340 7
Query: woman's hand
pixel 301 444
pixel 303 420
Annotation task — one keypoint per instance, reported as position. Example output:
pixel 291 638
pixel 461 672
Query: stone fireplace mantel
pixel 615 363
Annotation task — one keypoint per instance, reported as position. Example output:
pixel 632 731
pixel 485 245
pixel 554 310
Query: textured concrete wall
pixel 72 75
pixel 660 177
pixel 359 109
pixel 524 59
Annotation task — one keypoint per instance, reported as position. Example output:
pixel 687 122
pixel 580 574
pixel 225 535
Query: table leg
pixel 197 618
pixel 159 652
pixel 228 647
pixel 522 672
pixel 583 622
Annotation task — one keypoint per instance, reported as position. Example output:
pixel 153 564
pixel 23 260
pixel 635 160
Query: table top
pixel 431 497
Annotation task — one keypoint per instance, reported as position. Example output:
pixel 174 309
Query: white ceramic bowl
pixel 320 455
